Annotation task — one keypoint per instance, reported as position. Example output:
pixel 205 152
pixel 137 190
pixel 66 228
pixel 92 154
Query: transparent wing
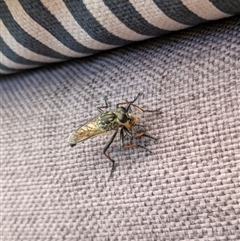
pixel 86 131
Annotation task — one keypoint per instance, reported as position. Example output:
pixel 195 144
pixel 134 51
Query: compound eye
pixel 122 109
pixel 122 117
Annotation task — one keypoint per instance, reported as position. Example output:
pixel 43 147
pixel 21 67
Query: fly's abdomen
pixel 72 139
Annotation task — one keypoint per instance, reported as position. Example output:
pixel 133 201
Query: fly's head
pixel 124 118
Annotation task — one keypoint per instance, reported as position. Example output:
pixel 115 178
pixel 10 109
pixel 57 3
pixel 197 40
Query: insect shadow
pixel 121 118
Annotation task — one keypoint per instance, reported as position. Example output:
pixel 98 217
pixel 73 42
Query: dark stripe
pixel 9 53
pixel 229 6
pixel 10 70
pixel 23 37
pixel 178 12
pixel 50 23
pixel 91 25
pixel 127 14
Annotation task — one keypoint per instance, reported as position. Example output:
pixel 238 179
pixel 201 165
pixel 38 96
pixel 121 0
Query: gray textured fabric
pixel 188 189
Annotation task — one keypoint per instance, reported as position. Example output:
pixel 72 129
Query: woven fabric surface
pixel 34 33
pixel 188 189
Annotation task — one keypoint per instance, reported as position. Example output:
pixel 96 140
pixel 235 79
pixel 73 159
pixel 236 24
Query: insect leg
pixel 123 133
pixel 122 136
pixel 142 110
pixel 105 106
pixel 137 107
pixel 139 125
pixel 127 132
pixel 136 145
pixel 139 135
pixel 105 149
pixel 129 103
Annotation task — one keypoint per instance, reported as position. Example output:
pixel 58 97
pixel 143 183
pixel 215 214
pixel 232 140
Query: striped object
pixel 37 32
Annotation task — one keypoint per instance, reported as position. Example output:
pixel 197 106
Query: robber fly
pixel 120 118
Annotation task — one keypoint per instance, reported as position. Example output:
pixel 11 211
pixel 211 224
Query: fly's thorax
pixel 107 120
pixel 114 119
